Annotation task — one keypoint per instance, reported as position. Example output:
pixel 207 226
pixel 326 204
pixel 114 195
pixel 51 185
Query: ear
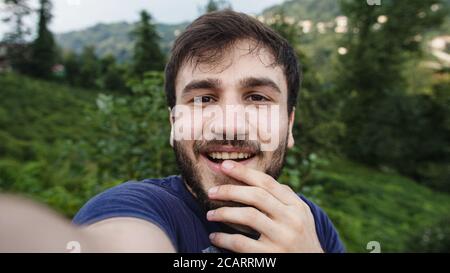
pixel 171 120
pixel 291 141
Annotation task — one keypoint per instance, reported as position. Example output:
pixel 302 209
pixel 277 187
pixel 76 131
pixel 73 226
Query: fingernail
pixel 228 164
pixel 213 190
pixel 210 213
pixel 211 236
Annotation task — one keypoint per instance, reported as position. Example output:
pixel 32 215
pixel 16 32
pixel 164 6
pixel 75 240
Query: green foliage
pixel 16 12
pixel 43 49
pixel 433 238
pixel 317 126
pixel 62 145
pixel 386 122
pixel 78 143
pixel 89 71
pixel 134 130
pixel 147 55
pixel 377 50
pixel 368 205
pixel 89 68
pixel 39 126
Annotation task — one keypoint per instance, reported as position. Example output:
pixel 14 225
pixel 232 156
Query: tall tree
pixel 382 121
pixel 147 55
pixel 112 74
pixel 43 50
pixel 90 68
pixel 16 11
pixel 380 39
pixel 17 49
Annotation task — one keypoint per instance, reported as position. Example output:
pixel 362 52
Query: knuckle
pixel 237 243
pixel 251 214
pixel 225 190
pixel 270 184
pixel 260 195
pixel 221 212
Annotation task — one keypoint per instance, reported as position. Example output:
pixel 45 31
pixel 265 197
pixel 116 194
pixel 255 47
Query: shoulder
pixel 327 233
pixel 141 199
pixel 153 200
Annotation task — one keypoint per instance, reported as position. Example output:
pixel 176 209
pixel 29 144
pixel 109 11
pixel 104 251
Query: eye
pixel 203 99
pixel 257 98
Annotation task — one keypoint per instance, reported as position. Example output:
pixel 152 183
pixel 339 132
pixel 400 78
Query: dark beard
pixel 191 173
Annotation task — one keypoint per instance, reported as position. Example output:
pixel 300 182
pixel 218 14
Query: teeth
pixel 224 155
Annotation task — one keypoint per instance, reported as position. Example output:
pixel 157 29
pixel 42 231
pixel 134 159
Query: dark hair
pixel 211 35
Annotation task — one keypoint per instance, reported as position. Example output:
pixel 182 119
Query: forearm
pixel 26 226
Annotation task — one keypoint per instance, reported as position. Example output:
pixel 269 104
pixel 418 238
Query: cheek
pixel 272 127
pixel 187 124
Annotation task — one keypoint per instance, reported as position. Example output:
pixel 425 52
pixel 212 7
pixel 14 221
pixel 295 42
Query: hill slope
pixel 38 120
pixel 114 38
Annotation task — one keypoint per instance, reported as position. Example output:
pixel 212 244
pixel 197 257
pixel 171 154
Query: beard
pixel 192 172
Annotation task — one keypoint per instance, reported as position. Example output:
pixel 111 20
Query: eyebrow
pixel 202 84
pixel 252 82
pixel 215 84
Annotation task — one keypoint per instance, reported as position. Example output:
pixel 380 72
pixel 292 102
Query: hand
pixel 284 221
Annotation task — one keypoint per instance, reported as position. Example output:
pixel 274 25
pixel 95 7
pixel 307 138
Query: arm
pixel 28 227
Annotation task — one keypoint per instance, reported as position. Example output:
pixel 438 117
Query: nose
pixel 231 123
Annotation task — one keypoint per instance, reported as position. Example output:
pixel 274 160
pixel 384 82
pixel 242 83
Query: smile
pixel 216 155
pixel 220 156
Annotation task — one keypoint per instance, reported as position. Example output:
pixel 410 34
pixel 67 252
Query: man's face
pixel 242 79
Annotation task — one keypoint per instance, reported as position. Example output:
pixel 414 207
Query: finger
pixel 236 242
pixel 259 179
pixel 249 195
pixel 246 216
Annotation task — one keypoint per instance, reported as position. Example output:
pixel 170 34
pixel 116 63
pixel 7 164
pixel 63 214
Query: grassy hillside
pixel 47 141
pixel 34 112
pixel 39 124
pixel 370 205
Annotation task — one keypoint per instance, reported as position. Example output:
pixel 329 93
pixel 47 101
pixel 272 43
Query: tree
pixel 215 5
pixel 316 125
pixel 384 124
pixel 380 39
pixel 15 39
pixel 90 68
pixel 112 74
pixel 72 68
pixel 43 49
pixel 17 10
pixel 147 55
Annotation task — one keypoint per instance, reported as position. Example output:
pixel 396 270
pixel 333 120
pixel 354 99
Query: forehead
pixel 240 61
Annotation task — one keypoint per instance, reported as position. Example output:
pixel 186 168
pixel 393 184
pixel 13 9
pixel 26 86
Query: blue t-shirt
pixel 168 204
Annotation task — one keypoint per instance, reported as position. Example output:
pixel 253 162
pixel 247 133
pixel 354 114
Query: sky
pixel 78 14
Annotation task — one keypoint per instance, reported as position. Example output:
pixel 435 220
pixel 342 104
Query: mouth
pixel 219 157
pixel 215 156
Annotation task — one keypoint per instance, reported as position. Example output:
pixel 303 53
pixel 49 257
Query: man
pixel 227 197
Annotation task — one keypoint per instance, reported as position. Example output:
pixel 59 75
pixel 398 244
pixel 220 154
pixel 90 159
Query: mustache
pixel 203 145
